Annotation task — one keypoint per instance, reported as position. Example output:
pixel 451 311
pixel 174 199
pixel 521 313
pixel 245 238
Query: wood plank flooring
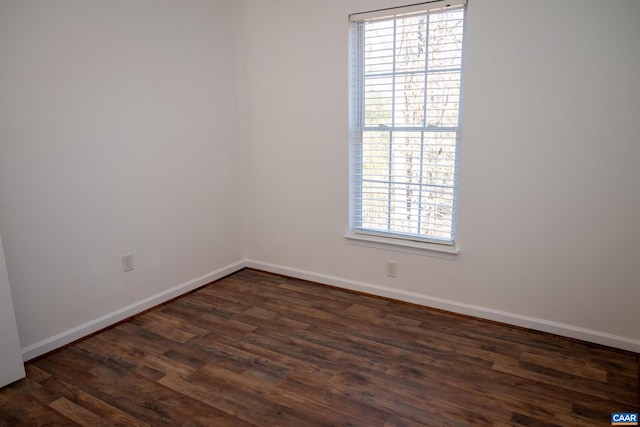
pixel 256 349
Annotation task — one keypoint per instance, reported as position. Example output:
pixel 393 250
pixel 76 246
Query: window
pixel 405 99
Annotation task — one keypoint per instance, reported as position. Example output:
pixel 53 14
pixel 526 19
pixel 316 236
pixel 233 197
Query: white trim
pixel 403 245
pixel 109 319
pixel 114 317
pixel 534 323
pixel 403 10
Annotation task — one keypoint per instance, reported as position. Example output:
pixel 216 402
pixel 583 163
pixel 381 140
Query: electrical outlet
pixel 392 269
pixel 127 262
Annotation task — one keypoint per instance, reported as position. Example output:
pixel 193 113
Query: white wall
pixel 549 194
pixel 117 135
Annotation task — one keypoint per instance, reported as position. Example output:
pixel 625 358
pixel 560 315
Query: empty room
pixel 319 213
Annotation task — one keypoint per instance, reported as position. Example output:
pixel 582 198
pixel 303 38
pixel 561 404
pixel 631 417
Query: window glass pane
pixel 443 99
pixel 410 99
pixel 379 47
pixel 378 99
pixel 445 40
pixel 411 43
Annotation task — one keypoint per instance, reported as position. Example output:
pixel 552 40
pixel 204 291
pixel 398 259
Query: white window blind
pixel 406 71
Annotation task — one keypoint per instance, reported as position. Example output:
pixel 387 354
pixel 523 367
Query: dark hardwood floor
pixel 264 350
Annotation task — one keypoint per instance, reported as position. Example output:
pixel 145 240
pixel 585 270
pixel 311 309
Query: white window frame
pixel 391 240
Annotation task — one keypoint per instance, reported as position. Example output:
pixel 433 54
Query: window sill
pixel 400 245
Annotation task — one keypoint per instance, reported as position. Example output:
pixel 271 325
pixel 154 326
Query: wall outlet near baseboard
pixel 392 269
pixel 127 262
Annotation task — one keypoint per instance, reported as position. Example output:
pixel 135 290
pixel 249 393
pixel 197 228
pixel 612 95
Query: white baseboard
pixel 109 319
pixel 542 325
